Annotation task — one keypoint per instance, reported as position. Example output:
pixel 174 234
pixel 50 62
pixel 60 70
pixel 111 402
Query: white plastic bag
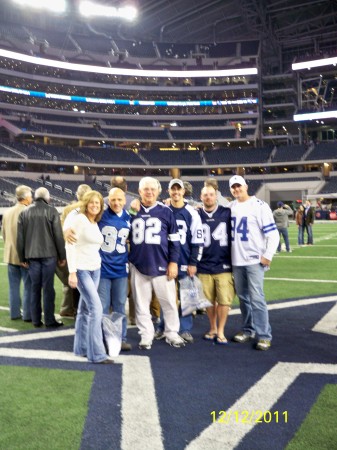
pixel 192 295
pixel 112 325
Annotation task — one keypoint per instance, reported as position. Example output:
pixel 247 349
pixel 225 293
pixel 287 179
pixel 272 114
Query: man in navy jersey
pixel 254 242
pixel 215 269
pixel 191 244
pixel 113 285
pixel 154 256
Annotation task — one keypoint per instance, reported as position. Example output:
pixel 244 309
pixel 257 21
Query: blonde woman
pixel 84 264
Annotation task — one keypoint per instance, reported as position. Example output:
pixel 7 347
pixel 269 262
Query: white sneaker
pixel 176 341
pixel 187 337
pixel 145 345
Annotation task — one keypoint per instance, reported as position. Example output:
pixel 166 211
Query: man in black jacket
pixel 40 246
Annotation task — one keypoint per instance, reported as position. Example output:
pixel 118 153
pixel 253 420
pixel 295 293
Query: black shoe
pixel 27 320
pixel 38 325
pixel 55 325
pixel 16 318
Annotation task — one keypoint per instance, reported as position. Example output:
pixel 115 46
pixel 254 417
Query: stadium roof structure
pixel 281 21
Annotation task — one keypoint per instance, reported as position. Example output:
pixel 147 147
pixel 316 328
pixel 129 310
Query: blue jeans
pixel 88 328
pixel 113 294
pixel 249 288
pixel 186 322
pixel 308 229
pixel 300 238
pixel 41 272
pixel 15 275
pixel 284 233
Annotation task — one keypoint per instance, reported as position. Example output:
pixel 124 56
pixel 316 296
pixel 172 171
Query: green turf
pixel 43 408
pixel 319 429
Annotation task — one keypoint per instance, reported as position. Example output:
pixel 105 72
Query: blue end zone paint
pixel 203 377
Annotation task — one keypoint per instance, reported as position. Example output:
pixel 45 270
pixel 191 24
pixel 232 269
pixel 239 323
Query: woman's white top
pixel 84 254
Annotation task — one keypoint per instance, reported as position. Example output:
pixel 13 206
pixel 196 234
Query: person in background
pixel 254 242
pixel 16 271
pixel 113 285
pixel 309 218
pixel 300 224
pixel 40 247
pixel 188 196
pixel 281 217
pixel 84 263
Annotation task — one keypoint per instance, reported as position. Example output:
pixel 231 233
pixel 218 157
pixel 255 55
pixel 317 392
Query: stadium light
pixel 93 9
pixel 56 6
pixel 123 71
pixel 315 63
pixel 315 116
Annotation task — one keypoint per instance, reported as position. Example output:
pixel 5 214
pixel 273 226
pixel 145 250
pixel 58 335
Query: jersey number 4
pixel 240 229
pixel 147 231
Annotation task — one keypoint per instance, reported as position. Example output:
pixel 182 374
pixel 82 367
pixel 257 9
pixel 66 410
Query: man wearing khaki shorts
pixel 215 269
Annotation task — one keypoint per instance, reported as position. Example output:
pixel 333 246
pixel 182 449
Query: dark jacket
pixel 309 216
pixel 40 232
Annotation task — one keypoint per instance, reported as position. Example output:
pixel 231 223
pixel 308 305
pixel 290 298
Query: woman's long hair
pixel 88 196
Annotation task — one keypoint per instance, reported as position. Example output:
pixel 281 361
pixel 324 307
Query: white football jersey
pixel 254 233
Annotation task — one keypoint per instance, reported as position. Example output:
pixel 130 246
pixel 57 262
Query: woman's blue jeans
pixel 88 329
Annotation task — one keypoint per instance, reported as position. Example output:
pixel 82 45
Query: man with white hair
pixel 16 271
pixel 154 255
pixel 40 246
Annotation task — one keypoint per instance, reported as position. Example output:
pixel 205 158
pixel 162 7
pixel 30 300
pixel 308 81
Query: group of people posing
pixel 153 245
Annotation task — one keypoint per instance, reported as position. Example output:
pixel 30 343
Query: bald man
pixel 113 286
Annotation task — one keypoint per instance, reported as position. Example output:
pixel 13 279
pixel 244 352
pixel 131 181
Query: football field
pixel 201 397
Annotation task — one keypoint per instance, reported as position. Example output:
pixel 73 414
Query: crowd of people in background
pixel 125 247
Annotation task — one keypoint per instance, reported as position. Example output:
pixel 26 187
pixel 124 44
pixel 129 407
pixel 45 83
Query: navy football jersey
pixel 216 257
pixel 154 240
pixel 191 236
pixel 114 251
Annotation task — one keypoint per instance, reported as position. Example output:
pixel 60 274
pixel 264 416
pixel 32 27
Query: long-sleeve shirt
pixel 84 254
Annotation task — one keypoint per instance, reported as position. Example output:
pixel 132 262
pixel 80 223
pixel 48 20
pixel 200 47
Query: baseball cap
pixel 280 204
pixel 237 179
pixel 176 181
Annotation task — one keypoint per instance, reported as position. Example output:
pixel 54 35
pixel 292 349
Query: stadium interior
pixel 190 89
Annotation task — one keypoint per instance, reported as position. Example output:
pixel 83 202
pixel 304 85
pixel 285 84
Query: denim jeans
pixel 15 275
pixel 300 238
pixel 88 328
pixel 113 293
pixel 41 272
pixel 249 288
pixel 308 229
pixel 284 233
